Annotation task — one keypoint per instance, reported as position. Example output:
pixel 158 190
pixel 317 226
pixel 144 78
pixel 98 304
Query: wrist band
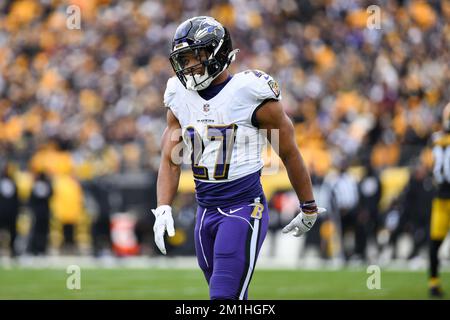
pixel 309 206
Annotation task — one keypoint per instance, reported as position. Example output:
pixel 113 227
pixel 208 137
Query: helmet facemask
pixel 200 75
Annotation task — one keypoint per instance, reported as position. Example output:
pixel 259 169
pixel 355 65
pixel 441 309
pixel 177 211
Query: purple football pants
pixel 227 243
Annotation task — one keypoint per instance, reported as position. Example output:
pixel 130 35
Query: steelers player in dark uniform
pixel 440 212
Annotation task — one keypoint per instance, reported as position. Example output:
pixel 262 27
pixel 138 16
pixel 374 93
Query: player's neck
pixel 221 78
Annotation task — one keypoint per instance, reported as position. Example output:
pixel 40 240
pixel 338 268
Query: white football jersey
pixel 220 137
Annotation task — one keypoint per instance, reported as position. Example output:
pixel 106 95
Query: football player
pixel 219 116
pixel 440 212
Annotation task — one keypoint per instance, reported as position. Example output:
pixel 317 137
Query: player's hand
pixel 163 222
pixel 302 223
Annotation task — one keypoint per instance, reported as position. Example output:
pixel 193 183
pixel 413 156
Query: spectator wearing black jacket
pixel 370 191
pixel 418 196
pixel 413 208
pixel 9 207
pixel 39 202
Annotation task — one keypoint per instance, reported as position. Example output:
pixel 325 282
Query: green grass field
pixel 190 284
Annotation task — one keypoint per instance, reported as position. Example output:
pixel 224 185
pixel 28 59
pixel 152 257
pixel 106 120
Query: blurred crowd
pixel 78 105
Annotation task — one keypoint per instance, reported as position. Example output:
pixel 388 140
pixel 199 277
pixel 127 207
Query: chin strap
pixel 232 55
pixel 231 58
pixel 191 82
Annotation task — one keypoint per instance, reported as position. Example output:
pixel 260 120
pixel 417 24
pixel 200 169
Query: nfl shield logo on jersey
pixel 206 107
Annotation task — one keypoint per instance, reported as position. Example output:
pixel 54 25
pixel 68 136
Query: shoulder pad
pixel 260 85
pixel 170 93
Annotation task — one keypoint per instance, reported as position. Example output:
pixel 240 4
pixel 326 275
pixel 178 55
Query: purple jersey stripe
pixel 244 189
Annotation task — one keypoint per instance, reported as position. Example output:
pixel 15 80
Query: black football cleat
pixel 436 292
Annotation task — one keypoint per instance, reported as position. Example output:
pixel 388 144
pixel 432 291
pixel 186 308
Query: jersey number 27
pixel 226 134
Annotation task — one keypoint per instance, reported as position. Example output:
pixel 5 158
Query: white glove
pixel 163 222
pixel 302 223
